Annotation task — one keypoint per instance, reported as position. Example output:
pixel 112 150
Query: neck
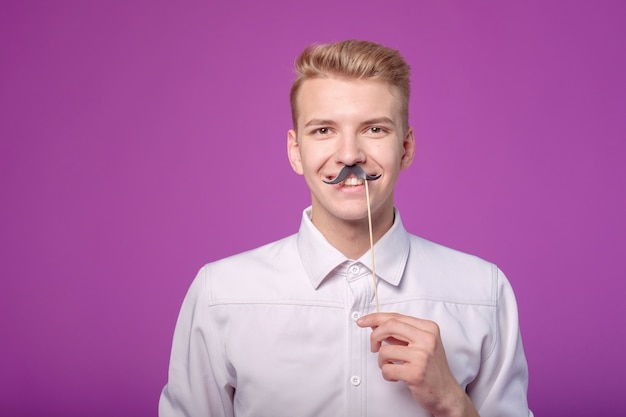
pixel 351 237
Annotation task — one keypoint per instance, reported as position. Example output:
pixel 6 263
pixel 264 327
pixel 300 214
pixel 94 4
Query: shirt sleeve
pixel 500 388
pixel 197 383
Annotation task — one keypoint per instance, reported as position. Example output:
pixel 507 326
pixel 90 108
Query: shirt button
pixel 355 315
pixel 355 269
pixel 355 380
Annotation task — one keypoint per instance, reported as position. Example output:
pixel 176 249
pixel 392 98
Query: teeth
pixel 350 181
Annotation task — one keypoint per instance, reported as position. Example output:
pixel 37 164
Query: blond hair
pixel 353 59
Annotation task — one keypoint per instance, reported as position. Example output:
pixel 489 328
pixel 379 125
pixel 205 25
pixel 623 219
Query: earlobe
pixel 293 152
pixel 409 149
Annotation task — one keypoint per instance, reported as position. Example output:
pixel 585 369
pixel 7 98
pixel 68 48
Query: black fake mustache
pixel 352 169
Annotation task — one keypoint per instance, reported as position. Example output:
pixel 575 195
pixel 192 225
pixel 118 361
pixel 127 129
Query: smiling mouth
pixel 352 181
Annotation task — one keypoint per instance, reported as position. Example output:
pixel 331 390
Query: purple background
pixel 142 139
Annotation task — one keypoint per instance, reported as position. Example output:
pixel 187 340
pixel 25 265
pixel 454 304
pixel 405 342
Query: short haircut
pixel 353 59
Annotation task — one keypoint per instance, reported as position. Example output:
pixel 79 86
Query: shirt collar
pixel 320 258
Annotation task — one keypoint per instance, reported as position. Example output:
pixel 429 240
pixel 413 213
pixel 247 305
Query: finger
pixel 397 354
pixel 394 332
pixel 402 372
pixel 394 341
pixel 375 346
pixel 377 319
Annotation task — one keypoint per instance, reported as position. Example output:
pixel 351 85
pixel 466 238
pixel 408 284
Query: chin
pixel 343 211
pixel 356 215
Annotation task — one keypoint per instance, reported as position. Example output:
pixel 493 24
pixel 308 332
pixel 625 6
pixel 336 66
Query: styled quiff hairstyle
pixel 353 59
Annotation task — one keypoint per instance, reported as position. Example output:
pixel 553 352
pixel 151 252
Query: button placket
pixel 357 337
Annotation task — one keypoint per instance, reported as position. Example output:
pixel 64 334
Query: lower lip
pixel 350 188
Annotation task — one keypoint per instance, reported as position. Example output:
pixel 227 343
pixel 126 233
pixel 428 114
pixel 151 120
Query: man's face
pixel 345 122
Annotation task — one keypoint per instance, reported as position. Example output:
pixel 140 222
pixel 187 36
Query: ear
pixel 408 145
pixel 293 152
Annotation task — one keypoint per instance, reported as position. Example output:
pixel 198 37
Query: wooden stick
pixel 369 220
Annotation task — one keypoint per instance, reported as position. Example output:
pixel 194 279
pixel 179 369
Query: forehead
pixel 338 99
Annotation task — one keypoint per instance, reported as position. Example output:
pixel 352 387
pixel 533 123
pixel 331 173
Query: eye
pixel 322 131
pixel 377 131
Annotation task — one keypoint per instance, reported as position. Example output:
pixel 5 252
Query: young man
pixel 290 329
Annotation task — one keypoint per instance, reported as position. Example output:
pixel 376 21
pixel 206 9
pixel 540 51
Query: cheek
pixel 310 171
pixel 313 158
pixel 307 165
pixel 390 160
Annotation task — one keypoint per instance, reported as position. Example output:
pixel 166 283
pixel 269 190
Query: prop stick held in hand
pixel 359 173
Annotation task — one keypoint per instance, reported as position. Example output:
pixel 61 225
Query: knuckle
pixel 387 372
pixel 432 327
pixel 430 341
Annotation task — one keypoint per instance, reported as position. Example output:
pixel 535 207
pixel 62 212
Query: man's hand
pixel 410 350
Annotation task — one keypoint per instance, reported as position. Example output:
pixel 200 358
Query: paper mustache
pixel 352 169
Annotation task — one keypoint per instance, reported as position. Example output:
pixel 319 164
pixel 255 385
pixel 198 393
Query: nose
pixel 349 150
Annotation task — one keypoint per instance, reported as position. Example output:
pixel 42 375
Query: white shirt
pixel 271 332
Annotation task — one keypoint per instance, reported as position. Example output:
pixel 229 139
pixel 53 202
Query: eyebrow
pixel 379 121
pixel 319 122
